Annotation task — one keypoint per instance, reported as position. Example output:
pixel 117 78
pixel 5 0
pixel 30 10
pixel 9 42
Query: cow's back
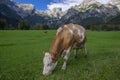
pixel 77 31
pixel 72 33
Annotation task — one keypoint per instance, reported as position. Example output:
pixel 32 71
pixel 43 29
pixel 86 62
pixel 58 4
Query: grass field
pixel 21 57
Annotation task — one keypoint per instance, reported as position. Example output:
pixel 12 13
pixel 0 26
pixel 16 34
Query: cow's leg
pixel 75 53
pixel 85 50
pixel 66 58
pixel 63 54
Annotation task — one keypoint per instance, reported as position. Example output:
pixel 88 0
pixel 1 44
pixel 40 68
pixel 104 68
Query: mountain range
pixel 88 12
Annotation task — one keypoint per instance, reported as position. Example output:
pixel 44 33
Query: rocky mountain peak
pixel 115 2
pixel 25 9
pixel 21 9
pixel 56 12
pixel 25 6
pixel 86 3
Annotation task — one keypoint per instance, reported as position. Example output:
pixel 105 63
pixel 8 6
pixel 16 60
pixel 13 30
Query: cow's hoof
pixel 63 68
pixel 75 57
pixel 86 56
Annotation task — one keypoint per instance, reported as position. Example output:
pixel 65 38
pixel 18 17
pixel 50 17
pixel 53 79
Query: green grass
pixel 21 57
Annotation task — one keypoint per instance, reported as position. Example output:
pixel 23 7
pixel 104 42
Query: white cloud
pixel 103 1
pixel 66 4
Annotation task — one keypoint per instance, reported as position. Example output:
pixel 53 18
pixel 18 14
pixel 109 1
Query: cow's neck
pixel 56 49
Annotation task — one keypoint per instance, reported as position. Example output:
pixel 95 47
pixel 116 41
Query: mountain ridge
pixel 88 12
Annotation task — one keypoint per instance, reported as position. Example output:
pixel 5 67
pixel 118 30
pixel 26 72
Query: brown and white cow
pixel 69 36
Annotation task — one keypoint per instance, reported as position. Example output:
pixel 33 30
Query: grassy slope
pixel 21 54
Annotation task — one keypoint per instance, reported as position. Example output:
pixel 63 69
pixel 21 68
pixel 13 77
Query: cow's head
pixel 49 65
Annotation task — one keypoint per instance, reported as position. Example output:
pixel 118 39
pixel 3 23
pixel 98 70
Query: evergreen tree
pixel 24 25
pixel 2 23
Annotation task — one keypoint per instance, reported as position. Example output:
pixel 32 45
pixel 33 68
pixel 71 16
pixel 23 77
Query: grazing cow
pixel 67 37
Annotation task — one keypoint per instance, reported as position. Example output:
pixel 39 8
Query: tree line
pixel 104 27
pixel 25 25
pixel 22 25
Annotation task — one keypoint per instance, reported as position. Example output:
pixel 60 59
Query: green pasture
pixel 21 56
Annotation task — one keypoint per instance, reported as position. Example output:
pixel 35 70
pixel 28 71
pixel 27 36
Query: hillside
pixel 115 20
pixel 9 15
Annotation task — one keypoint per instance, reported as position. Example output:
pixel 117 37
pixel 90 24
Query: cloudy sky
pixel 50 4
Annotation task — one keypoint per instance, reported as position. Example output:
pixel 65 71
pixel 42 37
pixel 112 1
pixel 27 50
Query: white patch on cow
pixel 79 33
pixel 48 64
pixel 82 34
pixel 65 59
pixel 59 30
pixel 67 54
pixel 73 26
pixel 66 26
pixel 68 29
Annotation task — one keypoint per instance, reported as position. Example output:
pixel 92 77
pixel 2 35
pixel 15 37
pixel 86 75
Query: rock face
pixel 25 9
pixel 21 9
pixel 8 13
pixel 91 12
pixel 116 3
pixel 56 12
pixel 87 3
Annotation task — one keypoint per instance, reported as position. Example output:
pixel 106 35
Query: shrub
pixel 2 23
pixel 24 25
pixel 94 5
pixel 104 27
pixel 41 27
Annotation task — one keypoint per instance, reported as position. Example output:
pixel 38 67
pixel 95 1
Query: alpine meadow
pixel 21 56
pixel 39 39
